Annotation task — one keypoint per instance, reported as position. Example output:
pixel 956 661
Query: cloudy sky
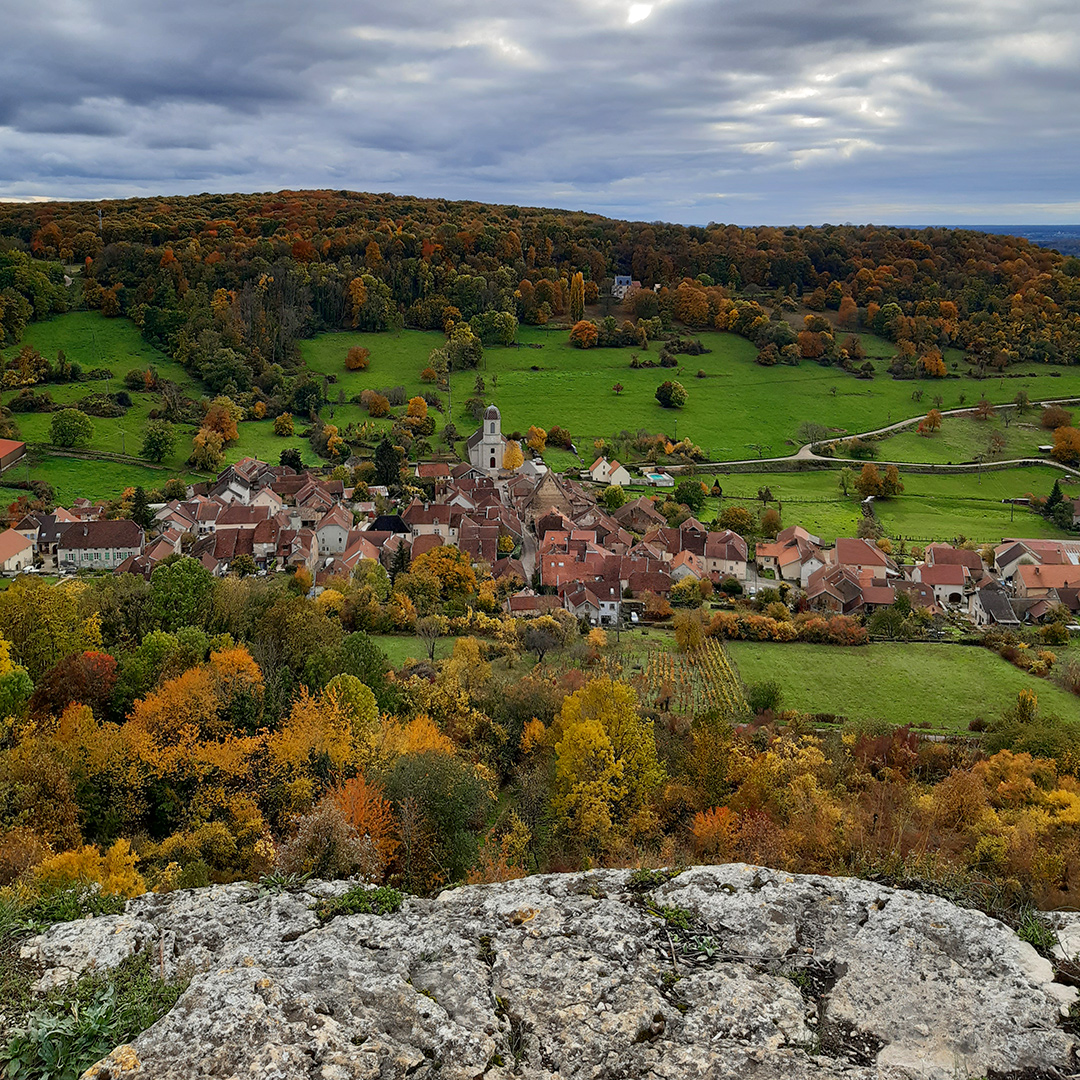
pixel 761 111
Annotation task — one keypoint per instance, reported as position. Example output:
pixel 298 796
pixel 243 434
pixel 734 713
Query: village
pixel 548 541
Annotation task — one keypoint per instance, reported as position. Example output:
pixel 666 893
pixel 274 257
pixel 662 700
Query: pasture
pixel 945 686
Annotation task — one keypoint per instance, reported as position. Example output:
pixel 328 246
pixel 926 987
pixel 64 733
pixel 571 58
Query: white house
pixel 602 471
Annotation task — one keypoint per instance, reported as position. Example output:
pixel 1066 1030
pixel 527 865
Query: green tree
pixel 613 497
pixel 70 427
pixel 846 480
pixel 180 592
pixel 671 395
pixel 464 349
pixel 692 494
pixel 141 513
pixel 387 463
pixel 159 440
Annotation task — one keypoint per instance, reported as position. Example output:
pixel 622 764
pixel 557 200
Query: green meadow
pixel 945 686
pixel 734 406
pixel 96 342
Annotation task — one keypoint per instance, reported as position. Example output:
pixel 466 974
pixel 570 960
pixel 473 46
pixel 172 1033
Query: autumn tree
pixel 513 458
pixel 606 764
pixel 738 519
pixel 984 410
pixel 358 358
pixel 584 334
pixel 283 425
pixel 577 297
pixel 1054 416
pixel 207 450
pixel 932 422
pixel 44 623
pixel 869 481
pixel 451 567
pixel 222 416
pixel 536 439
pixel 1066 445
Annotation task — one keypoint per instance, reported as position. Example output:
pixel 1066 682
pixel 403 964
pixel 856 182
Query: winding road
pixel 806 452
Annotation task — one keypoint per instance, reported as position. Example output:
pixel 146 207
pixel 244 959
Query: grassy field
pixel 963 438
pixel 402 647
pixel 735 404
pixel 946 686
pixel 94 341
pixel 939 506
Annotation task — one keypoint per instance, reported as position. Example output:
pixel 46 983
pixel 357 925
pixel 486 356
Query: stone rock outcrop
pixel 726 971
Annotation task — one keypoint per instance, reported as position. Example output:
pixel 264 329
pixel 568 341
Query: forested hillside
pixel 227 284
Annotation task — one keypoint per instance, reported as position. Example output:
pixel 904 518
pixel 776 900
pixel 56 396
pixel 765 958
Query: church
pixel 486 445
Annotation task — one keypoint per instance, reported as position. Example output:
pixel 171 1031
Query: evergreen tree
pixel 1055 498
pixel 140 509
pixel 387 463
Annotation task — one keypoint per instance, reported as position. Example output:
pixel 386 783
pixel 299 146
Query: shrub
pixel 360 901
pixel 1054 416
pixel 671 395
pixel 325 845
pixel 358 358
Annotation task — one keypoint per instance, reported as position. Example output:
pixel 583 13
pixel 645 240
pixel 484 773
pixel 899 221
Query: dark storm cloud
pixel 690 110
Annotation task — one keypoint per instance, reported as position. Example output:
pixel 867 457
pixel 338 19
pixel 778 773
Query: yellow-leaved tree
pixel 513 458
pixel 606 769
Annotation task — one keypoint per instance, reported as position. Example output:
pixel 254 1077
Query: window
pixel 492 429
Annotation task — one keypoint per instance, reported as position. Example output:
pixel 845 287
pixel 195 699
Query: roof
pixel 237 515
pixel 87 535
pixel 947 574
pixel 337 515
pixel 7 446
pixel 13 543
pixel 492 413
pixel 853 552
pixel 1049 577
pixel 432 470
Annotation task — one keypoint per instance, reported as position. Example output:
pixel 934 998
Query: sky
pixel 695 111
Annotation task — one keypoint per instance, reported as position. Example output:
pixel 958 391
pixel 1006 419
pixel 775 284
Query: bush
pixel 671 395
pixel 325 845
pixel 764 696
pixel 358 358
pixel 360 901
pixel 1054 416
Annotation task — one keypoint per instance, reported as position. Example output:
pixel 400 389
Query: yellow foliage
pixel 115 871
pixel 330 602
pixel 533 735
pixel 317 727
pixel 419 736
pixel 588 781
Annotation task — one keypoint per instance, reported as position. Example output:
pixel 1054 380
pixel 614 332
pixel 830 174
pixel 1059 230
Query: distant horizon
pixel 1068 228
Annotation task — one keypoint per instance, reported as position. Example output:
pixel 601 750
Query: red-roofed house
pixel 16 550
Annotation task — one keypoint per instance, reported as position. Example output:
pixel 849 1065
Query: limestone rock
pixel 752 973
